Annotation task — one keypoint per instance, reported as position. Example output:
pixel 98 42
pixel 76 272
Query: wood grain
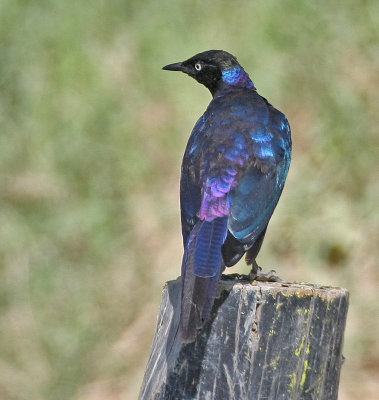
pixel 264 341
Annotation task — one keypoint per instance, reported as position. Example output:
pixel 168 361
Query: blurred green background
pixel 92 135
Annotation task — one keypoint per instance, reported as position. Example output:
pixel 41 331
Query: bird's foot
pixel 235 277
pixel 267 277
pixel 256 274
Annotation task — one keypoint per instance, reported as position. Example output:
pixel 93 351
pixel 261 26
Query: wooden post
pixel 263 341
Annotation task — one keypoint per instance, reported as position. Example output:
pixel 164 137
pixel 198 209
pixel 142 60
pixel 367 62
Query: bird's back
pixel 240 145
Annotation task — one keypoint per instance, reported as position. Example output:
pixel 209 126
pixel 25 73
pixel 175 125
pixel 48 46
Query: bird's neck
pixel 236 76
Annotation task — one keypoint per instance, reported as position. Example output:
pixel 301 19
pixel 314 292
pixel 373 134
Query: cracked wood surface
pixel 263 341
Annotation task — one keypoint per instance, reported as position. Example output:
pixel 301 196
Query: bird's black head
pixel 212 69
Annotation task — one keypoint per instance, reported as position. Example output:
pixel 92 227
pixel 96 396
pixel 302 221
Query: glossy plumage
pixel 233 172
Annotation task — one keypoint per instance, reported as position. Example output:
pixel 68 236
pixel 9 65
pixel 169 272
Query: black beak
pixel 175 67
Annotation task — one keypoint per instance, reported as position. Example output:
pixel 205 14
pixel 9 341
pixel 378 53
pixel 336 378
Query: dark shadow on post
pixel 182 382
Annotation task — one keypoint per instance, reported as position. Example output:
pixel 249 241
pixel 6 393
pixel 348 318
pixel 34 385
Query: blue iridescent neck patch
pixel 237 76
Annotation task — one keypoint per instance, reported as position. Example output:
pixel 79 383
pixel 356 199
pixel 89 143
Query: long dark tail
pixel 201 270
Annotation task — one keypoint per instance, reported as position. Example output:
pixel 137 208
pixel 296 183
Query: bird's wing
pixel 190 185
pixel 258 191
pixel 245 167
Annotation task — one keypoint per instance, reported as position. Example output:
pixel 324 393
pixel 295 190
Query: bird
pixel 233 172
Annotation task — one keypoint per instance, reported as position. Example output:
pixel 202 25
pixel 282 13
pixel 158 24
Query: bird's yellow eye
pixel 198 67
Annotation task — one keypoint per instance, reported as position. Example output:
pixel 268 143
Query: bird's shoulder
pixel 246 110
pixel 244 124
pixel 238 129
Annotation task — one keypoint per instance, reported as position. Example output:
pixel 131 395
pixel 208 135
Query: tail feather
pixel 201 270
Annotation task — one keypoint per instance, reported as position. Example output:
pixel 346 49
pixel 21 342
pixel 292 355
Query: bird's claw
pixel 256 274
pixel 235 277
pixel 267 277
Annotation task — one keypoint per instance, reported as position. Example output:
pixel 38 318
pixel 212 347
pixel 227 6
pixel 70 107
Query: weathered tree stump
pixel 263 341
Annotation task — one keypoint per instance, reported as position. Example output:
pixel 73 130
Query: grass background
pixel 92 135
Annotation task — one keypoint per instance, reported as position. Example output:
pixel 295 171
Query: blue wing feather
pixel 208 258
pixel 256 196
